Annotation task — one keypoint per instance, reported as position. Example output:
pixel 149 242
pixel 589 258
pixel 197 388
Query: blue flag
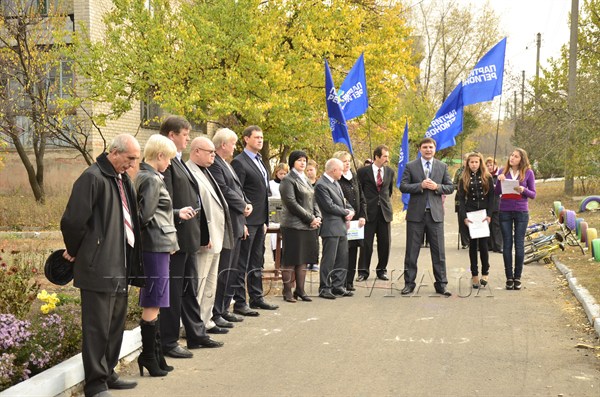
pixel 337 122
pixel 448 121
pixel 485 81
pixel 402 161
pixel 353 91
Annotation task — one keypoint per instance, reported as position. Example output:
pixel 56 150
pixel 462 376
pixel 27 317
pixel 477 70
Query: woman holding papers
pixel 516 183
pixel 355 197
pixel 475 196
pixel 300 220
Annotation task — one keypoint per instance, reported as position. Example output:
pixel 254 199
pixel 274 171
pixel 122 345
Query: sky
pixel 521 20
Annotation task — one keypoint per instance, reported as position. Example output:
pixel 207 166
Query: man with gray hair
pixel 336 213
pixel 101 232
pixel 239 208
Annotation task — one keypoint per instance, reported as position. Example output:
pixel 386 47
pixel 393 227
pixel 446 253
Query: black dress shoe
pixel 205 343
pixel 350 288
pixel 246 311
pixel 179 352
pixel 326 295
pixel 221 322
pixel 443 291
pixel 407 290
pixel 103 393
pixel 121 384
pixel 383 276
pixel 263 305
pixel 361 277
pixel 217 330
pixel 234 318
pixel 341 292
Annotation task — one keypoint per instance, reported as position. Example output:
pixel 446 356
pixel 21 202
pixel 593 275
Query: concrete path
pixel 377 343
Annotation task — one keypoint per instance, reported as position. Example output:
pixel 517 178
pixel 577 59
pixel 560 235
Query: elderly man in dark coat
pixel 101 232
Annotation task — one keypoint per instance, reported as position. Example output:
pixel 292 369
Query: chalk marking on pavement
pixel 309 319
pixel 429 341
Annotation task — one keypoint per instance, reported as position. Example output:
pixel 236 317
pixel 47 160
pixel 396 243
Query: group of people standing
pixel 191 235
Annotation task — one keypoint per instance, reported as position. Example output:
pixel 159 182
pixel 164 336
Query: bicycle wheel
pixel 596 249
pixel 535 257
pixel 583 228
pixel 592 234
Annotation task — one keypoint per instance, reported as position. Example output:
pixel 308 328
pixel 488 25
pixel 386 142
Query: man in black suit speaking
pixel 377 183
pixel 426 179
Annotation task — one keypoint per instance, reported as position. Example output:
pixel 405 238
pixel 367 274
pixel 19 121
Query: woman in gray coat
pixel 159 239
pixel 300 220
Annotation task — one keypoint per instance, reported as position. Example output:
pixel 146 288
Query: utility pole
pixel 571 99
pixel 538 43
pixel 523 97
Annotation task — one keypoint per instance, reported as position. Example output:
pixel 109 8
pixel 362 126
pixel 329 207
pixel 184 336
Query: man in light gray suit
pixel 336 212
pixel 426 179
pixel 202 156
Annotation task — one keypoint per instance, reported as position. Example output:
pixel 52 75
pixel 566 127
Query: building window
pixel 151 113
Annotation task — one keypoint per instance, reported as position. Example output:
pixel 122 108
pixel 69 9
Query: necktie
pixel 262 168
pixel 126 214
pixel 379 180
pixel 339 189
pixel 427 173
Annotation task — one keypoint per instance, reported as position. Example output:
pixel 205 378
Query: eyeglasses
pixel 208 151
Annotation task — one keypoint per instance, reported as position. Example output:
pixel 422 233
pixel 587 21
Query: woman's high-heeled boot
pixel 287 276
pixel 160 357
pixel 300 272
pixel 147 358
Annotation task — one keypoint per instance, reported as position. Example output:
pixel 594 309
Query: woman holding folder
pixel 475 193
pixel 519 186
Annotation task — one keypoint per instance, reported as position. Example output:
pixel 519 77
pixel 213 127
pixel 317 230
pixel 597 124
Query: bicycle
pixel 544 253
pixel 541 241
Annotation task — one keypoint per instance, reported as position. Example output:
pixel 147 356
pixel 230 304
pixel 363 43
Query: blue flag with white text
pixel 402 161
pixel 353 91
pixel 337 122
pixel 448 121
pixel 485 80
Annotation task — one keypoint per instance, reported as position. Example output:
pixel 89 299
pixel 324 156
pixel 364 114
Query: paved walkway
pixel 377 343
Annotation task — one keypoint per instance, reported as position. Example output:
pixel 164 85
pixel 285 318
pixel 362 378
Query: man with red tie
pixel 377 183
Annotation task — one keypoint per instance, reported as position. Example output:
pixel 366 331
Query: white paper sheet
pixel 355 232
pixel 478 227
pixel 509 185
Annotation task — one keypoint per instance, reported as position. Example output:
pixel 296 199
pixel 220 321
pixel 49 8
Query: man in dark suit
pixel 335 212
pixel 253 175
pixel 103 204
pixel 191 234
pixel 239 208
pixel 426 179
pixel 377 184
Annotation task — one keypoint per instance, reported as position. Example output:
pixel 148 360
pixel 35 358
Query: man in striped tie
pixel 102 237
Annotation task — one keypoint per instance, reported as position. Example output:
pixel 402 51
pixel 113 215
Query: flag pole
pixel 497 128
pixel 369 132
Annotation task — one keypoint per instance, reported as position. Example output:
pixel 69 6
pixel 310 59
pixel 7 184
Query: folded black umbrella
pixel 57 269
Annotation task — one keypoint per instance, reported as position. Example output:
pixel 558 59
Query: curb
pixel 69 374
pixel 590 306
